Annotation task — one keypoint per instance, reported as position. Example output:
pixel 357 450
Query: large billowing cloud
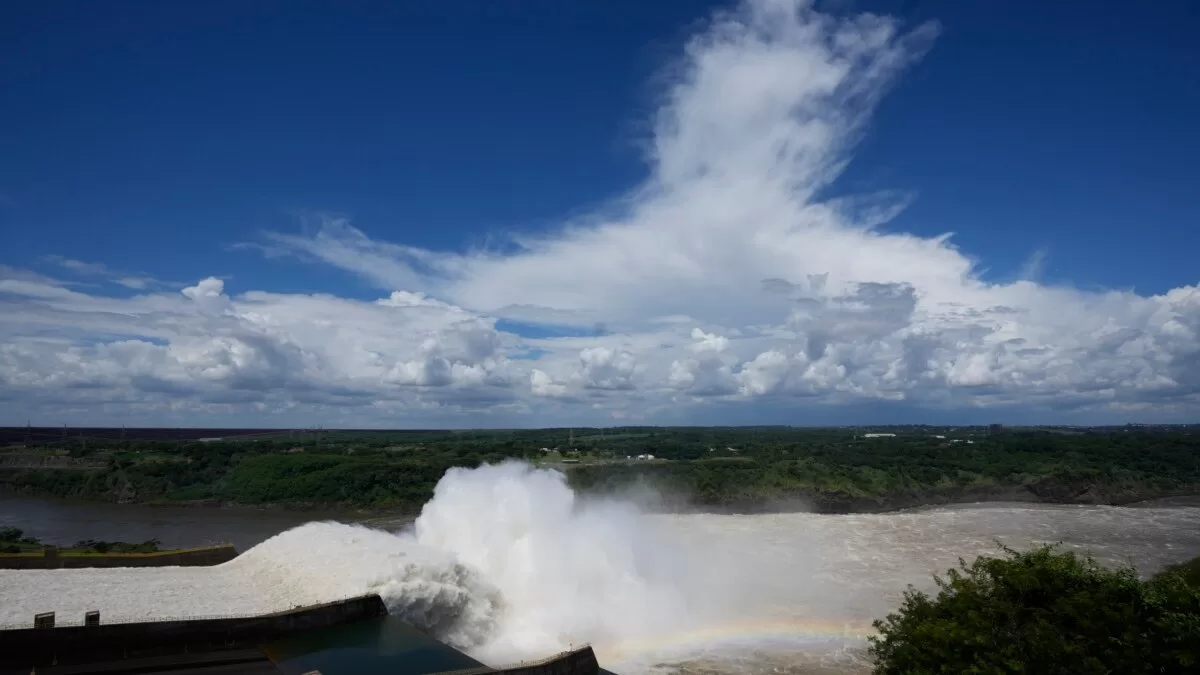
pixel 724 282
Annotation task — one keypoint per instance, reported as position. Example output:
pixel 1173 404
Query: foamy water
pixel 507 563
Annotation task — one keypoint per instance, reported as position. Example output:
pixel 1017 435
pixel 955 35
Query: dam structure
pixel 72 613
pixel 355 636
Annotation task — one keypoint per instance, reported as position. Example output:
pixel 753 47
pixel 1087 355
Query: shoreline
pixel 798 503
pixel 1190 500
pixel 49 556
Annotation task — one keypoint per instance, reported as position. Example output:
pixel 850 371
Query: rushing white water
pixel 507 562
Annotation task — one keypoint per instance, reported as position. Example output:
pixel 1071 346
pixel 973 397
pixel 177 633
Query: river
pixel 511 569
pixel 64 522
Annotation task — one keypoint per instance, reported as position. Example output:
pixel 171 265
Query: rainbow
pixel 758 632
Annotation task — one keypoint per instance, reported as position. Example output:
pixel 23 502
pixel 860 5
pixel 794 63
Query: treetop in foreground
pixel 1043 612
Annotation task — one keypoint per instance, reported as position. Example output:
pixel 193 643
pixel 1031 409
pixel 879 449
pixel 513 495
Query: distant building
pixel 879 435
pixel 994 429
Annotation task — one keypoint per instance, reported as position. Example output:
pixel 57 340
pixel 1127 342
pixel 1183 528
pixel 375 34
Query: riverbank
pixel 668 501
pixel 804 503
pixel 20 550
pixel 51 558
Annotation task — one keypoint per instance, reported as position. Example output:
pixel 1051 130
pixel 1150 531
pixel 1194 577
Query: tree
pixel 1189 571
pixel 1042 612
pixel 15 535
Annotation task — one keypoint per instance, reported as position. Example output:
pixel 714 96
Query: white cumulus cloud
pixel 726 280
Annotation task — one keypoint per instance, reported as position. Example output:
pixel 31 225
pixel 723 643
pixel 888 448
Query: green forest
pixel 745 468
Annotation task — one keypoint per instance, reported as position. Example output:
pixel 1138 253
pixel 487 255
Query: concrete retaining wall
pixel 53 559
pixel 578 662
pixel 26 648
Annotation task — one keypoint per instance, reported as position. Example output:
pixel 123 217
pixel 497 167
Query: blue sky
pixel 473 156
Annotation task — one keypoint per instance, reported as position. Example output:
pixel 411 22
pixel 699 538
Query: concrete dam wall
pixel 578 662
pixel 25 648
pixel 346 636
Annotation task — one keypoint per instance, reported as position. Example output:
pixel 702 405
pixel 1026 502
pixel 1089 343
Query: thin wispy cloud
pixel 77 266
pixel 138 282
pixel 1034 266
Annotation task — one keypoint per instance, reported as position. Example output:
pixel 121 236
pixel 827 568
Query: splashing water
pixel 505 561
pixel 566 570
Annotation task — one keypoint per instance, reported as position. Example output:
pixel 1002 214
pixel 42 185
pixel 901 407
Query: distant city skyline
pixel 535 214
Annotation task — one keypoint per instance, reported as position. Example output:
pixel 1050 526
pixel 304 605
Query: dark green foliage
pixel 831 470
pixel 1043 612
pixel 332 479
pixel 151 546
pixel 15 535
pixel 16 541
pixel 92 545
pixel 1188 571
pixel 753 467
